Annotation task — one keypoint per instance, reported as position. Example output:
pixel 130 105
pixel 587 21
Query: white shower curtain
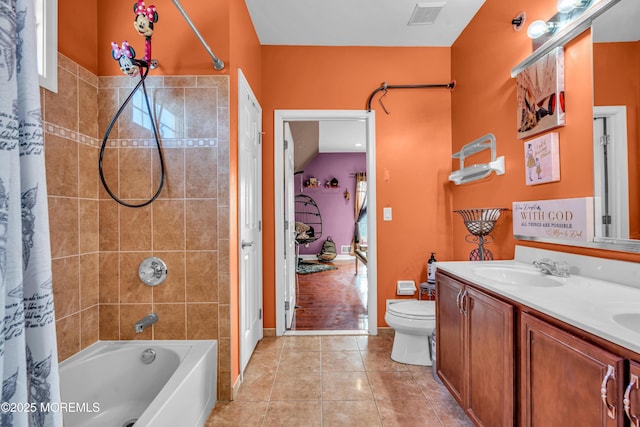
pixel 28 355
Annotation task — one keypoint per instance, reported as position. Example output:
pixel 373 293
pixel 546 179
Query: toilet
pixel 413 322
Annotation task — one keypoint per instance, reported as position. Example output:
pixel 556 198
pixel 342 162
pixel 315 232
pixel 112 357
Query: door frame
pixel 245 353
pixel 619 177
pixel 281 116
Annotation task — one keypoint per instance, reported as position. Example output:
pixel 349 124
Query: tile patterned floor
pixel 336 381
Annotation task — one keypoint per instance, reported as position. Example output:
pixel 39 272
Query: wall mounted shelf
pixel 477 171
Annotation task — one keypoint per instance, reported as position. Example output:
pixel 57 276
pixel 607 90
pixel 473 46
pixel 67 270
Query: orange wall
pixel 413 145
pixel 485 101
pixel 78 32
pixel 620 85
pixel 173 43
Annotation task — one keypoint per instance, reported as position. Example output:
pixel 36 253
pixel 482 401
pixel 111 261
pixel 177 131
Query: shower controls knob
pixel 152 271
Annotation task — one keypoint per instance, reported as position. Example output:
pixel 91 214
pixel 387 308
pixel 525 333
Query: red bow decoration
pixel 149 12
pixel 120 52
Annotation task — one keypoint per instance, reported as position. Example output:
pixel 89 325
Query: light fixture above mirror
pixel 563 33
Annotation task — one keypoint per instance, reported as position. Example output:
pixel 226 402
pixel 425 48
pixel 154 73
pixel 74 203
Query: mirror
pixel 616 57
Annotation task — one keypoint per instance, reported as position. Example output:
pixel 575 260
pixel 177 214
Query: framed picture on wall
pixel 542 159
pixel 540 93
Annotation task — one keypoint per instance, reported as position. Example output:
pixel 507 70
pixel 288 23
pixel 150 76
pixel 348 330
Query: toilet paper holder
pixel 406 287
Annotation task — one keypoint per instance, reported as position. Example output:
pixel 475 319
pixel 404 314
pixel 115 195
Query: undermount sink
pixel 517 276
pixel 629 321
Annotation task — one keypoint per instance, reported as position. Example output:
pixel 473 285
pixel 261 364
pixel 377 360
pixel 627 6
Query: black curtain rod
pixel 384 87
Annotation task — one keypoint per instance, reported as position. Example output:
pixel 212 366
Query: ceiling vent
pixel 425 13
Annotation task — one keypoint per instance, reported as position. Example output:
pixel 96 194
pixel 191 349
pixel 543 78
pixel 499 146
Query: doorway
pixel 285 222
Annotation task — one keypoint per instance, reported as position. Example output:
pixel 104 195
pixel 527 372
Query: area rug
pixel 308 267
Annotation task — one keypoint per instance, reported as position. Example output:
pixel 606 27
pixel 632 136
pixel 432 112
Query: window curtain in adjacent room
pixel 360 204
pixel 28 354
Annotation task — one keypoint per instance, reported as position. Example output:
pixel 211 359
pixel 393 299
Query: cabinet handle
pixel 633 384
pixel 611 374
pixel 458 302
pixel 464 303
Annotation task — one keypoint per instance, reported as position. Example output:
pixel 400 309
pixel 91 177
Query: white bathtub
pixel 107 384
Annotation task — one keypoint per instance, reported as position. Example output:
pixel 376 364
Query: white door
pixel 290 252
pixel 250 219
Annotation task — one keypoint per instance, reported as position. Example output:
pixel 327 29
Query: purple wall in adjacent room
pixel 337 213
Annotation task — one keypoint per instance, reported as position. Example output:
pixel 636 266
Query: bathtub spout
pixel 146 321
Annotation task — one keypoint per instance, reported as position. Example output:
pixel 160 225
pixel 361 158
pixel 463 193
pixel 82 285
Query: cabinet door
pixel 449 335
pixel 490 360
pixel 632 395
pixel 563 379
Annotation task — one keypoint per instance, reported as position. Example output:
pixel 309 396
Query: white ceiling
pixel 620 23
pixel 357 22
pixel 342 136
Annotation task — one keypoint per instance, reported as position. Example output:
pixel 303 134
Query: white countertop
pixel 582 300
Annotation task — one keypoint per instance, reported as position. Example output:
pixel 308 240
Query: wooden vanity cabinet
pixel 565 380
pixel 475 345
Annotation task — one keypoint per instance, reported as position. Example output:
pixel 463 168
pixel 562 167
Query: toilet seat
pixel 416 310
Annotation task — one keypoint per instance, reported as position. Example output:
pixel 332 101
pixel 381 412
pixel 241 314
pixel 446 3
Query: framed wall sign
pixel 542 159
pixel 562 219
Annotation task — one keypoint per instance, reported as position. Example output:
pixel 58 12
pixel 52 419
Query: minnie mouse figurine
pixel 145 18
pixel 126 58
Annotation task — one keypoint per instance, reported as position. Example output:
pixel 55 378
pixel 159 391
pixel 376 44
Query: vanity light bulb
pixel 566 6
pixel 537 29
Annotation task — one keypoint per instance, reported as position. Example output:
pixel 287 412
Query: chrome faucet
pixel 555 268
pixel 145 322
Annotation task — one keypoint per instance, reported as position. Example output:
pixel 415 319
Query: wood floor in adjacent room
pixel 332 300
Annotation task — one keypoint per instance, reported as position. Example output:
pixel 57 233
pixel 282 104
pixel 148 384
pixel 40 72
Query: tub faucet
pixel 146 321
pixel 555 268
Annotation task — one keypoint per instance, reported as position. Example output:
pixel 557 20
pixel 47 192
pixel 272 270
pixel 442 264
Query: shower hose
pixel 143 76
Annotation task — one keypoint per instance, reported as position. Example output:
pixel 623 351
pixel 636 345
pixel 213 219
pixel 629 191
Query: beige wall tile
pixel 135 228
pixel 171 323
pixel 107 107
pixel 66 285
pixel 202 174
pixel 109 226
pixel 202 276
pixel 134 122
pixel 88 178
pixel 63 226
pixel 89 226
pixel 224 321
pixel 61 156
pixel 62 107
pixel 173 288
pixel 109 274
pixel 110 173
pixel 89 326
pixel 201 115
pixel 173 187
pixel 170 101
pixel 202 224
pixel 202 321
pixel 109 322
pixel 223 189
pixel 88 109
pixel 68 336
pixel 168 225
pixel 132 289
pixel 135 173
pixel 180 81
pixel 89 280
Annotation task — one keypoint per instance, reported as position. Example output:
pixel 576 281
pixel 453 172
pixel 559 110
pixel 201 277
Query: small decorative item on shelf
pixel 347 195
pixel 480 223
pixel 332 184
pixel 311 182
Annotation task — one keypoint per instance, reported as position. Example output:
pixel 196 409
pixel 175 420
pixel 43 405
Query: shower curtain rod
pixel 384 87
pixel 218 64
